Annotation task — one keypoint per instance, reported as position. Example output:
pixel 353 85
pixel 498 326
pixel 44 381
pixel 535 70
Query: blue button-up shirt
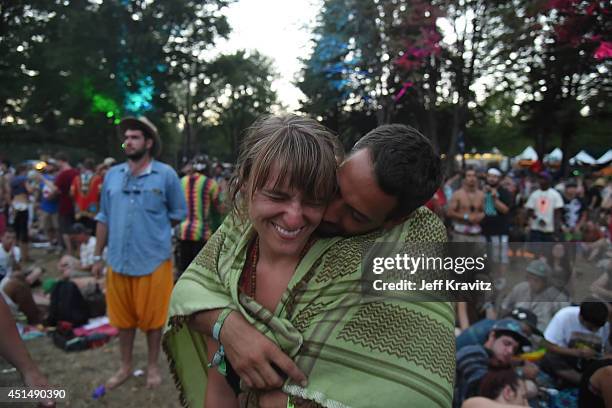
pixel 138 213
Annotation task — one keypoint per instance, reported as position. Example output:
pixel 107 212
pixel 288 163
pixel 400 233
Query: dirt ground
pixel 81 372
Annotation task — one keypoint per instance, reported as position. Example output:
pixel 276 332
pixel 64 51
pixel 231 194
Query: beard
pixel 137 154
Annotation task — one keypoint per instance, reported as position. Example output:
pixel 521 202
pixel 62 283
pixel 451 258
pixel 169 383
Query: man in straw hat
pixel 141 201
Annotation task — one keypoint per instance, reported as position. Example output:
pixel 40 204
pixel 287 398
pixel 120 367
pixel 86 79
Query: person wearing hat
pixel 496 224
pixel 505 339
pixel 536 294
pixel 202 195
pixel 544 208
pixel 478 332
pixel 141 200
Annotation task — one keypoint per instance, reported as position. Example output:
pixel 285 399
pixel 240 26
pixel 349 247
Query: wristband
pixel 218 361
pixel 219 323
pixel 97 258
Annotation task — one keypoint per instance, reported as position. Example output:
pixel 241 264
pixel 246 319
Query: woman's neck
pixel 271 258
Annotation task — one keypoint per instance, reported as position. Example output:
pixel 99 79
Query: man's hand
pixel 96 268
pixel 253 356
pixel 530 370
pixel 585 353
pixel 33 378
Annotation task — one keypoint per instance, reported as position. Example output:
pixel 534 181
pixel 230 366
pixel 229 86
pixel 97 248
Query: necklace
pixel 248 279
pixel 253 268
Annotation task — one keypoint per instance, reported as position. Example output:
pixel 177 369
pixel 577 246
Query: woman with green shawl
pixel 305 294
pixel 284 196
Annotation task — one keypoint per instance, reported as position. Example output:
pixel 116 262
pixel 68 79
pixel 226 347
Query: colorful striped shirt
pixel 202 196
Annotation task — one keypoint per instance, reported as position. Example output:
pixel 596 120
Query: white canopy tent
pixel 605 158
pixel 582 158
pixel 554 157
pixel 528 154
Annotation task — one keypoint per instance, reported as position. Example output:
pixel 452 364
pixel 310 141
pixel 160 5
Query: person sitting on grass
pixel 576 334
pixel 505 339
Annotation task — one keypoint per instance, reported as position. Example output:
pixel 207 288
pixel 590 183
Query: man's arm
pixel 101 238
pixel 501 200
pixel 175 197
pixel 251 354
pixel 453 207
pixel 599 287
pixel 13 350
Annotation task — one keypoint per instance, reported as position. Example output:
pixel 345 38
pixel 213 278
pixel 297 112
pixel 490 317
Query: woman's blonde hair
pixel 304 152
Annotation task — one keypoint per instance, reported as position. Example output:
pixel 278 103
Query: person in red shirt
pixel 65 204
pixel 85 190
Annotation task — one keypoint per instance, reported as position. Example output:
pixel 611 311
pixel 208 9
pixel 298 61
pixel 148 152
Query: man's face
pixel 590 326
pixel 470 179
pixel 544 183
pixel 570 192
pixel 8 240
pixel 361 206
pixel 80 238
pixel 492 179
pixel 136 144
pixel 536 283
pixel 504 347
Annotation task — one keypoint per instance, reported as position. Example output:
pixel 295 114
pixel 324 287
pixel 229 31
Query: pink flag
pixel 604 50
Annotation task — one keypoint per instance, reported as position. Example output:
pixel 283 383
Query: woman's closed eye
pixel 275 195
pixel 315 203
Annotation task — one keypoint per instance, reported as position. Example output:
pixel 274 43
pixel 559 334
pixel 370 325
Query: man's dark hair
pixel 495 380
pixel 406 165
pixel 79 228
pixel 468 168
pixel 9 229
pixel 595 313
pixel 89 164
pixel 61 156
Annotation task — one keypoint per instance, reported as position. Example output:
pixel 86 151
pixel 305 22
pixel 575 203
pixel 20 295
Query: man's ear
pixel 149 143
pixel 508 393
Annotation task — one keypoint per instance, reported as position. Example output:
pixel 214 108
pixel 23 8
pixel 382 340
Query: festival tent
pixel 528 154
pixel 582 158
pixel 605 158
pixel 554 157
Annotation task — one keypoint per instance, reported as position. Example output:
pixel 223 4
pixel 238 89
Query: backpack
pixel 67 304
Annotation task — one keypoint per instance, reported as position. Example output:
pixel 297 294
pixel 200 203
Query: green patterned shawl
pixel 356 352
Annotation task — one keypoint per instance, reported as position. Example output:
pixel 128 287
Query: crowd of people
pixel 244 312
pixel 548 238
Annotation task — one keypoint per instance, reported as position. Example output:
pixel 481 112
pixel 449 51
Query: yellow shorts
pixel 139 301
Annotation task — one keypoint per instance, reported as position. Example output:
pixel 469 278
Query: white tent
pixel 607 157
pixel 528 154
pixel 554 157
pixel 582 158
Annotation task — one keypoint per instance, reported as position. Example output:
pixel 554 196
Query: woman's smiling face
pixel 283 217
